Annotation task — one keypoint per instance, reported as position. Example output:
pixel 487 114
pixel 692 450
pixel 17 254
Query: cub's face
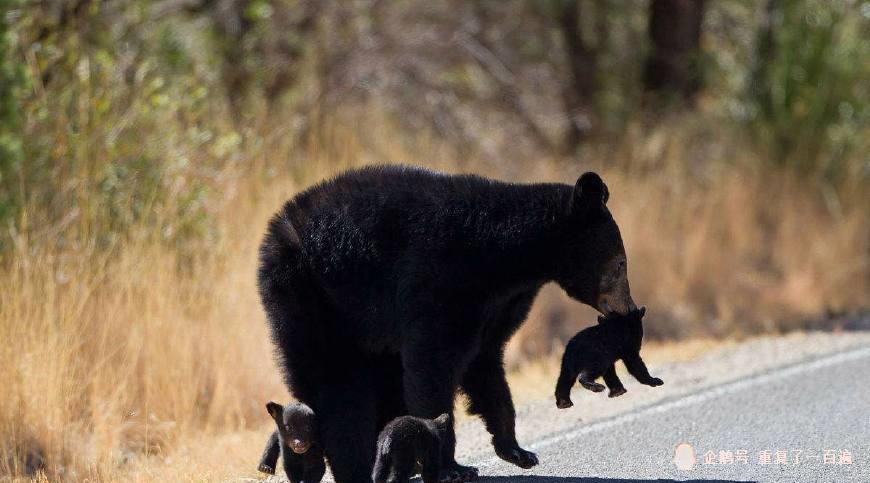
pixel 296 426
pixel 595 268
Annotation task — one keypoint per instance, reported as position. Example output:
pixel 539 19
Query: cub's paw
pixel 447 476
pixel 264 468
pixel 518 456
pixel 592 386
pixel 655 382
pixel 563 403
pixel 617 392
pixel 456 473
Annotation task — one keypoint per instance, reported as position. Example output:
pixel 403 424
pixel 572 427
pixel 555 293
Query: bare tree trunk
pixel 580 92
pixel 232 24
pixel 675 32
pixel 765 51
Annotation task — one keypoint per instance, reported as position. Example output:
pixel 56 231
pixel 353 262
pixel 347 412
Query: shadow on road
pixel 580 479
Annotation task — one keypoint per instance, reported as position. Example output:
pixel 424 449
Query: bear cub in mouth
pixel 593 352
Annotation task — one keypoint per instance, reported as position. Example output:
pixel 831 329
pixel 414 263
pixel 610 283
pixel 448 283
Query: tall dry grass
pixel 112 358
pixel 109 356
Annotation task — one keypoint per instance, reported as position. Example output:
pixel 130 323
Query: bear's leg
pixel 613 382
pixel 567 376
pixel 269 460
pixel 383 466
pixel 292 332
pixel 403 468
pixel 346 414
pixel 637 368
pixel 391 396
pixel 293 466
pixel 489 397
pixel 431 460
pixel 315 468
pixel 587 379
pixel 429 384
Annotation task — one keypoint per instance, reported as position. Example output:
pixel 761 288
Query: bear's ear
pixel 642 311
pixel 275 410
pixel 590 194
pixel 601 319
pixel 443 420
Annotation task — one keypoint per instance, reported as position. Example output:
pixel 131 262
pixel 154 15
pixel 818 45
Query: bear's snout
pixel 608 304
pixel 299 447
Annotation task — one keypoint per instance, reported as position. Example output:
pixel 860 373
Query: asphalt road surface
pixel 792 408
pixel 808 420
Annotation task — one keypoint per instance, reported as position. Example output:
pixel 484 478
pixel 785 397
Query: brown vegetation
pixel 113 355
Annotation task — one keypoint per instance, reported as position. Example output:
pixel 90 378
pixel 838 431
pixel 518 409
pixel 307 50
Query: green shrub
pixel 808 97
pixel 11 83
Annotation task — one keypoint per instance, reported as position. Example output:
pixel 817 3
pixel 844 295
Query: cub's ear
pixel 275 410
pixel 642 311
pixel 443 420
pixel 590 194
pixel 601 319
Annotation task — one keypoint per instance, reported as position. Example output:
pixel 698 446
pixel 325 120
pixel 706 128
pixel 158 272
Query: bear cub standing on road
pixel 296 437
pixel 593 352
pixel 407 442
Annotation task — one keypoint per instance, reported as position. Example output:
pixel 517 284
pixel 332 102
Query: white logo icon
pixel 684 457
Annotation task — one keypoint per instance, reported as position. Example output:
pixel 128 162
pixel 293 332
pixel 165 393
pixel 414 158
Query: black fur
pixel 300 448
pixel 389 288
pixel 270 455
pixel 593 352
pixel 406 442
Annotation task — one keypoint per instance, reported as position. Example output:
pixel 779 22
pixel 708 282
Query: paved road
pixel 810 410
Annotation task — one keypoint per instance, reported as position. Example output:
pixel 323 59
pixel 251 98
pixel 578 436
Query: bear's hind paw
pixel 592 386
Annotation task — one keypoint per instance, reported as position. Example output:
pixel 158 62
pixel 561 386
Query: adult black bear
pixel 389 288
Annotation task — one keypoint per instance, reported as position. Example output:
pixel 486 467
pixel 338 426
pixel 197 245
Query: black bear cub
pixel 593 351
pixel 297 438
pixel 407 444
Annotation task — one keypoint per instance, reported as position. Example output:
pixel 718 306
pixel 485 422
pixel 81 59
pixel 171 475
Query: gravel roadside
pixel 538 417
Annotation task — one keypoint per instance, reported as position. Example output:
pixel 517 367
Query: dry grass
pixel 749 251
pixel 145 364
pixel 117 355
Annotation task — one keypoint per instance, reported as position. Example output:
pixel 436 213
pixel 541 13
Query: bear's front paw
pixel 264 468
pixel 617 392
pixel 655 381
pixel 563 403
pixel 518 456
